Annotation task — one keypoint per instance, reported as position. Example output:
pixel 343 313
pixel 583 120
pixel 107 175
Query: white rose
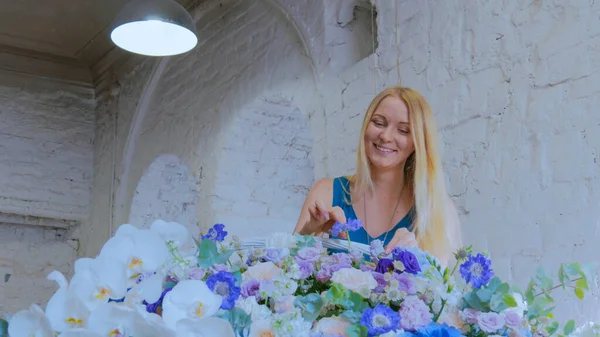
pixel 334 326
pixel 354 279
pixel 280 240
pixel 262 271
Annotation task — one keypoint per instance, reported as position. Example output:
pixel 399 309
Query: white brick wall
pixel 46 148
pixel 27 255
pixel 46 151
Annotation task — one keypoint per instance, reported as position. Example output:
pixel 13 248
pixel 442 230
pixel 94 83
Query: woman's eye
pixel 378 123
pixel 403 131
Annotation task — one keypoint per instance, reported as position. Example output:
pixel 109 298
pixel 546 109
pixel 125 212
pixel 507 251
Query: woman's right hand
pixel 322 218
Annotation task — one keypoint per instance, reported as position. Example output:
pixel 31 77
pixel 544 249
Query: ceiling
pixel 62 39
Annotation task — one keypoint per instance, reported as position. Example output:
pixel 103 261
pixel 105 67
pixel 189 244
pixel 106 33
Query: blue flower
pixel 216 233
pixel 477 270
pixel 351 225
pixel 380 320
pixel 153 307
pixel 223 283
pixel 438 330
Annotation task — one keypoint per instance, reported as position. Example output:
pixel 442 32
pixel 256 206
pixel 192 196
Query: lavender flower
pixel 223 283
pixel 306 268
pixel 381 283
pixel 351 225
pixel 477 270
pixel 250 288
pixel 512 319
pixel 407 283
pixel 408 259
pixel 310 254
pixel 277 255
pixel 490 322
pixel 196 273
pixel 216 233
pixel 380 320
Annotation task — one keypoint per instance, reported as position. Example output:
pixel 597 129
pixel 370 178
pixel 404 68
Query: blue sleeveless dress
pixel 341 189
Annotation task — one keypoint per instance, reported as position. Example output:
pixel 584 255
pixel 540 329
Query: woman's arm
pixel 318 203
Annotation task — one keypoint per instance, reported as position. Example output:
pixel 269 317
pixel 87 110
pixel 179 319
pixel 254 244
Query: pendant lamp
pixel 154 28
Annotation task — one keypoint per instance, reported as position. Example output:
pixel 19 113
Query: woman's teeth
pixel 383 149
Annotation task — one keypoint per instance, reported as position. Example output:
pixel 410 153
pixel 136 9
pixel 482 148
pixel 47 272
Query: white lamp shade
pixel 154 28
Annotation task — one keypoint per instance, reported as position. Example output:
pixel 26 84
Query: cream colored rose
pixel 334 326
pixel 262 271
pixel 452 318
pixel 354 279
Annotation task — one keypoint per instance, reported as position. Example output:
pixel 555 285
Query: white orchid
pixel 31 322
pixel 140 250
pixel 79 333
pixel 98 280
pixel 205 327
pixel 189 299
pixel 65 309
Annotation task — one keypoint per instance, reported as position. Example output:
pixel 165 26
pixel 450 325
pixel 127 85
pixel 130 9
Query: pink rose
pixel 469 315
pixel 490 321
pixel 333 326
pixel 414 313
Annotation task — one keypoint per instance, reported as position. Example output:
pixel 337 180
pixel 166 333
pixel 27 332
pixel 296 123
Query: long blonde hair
pixel 422 171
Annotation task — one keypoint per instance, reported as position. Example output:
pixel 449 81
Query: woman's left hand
pixel 402 238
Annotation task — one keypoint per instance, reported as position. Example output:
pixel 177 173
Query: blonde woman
pixel 398 190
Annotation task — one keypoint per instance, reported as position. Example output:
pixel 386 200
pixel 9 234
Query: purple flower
pixel 408 259
pixel 250 288
pixel 380 320
pixel 196 273
pixel 380 282
pixel 216 233
pixel 407 283
pixel 223 283
pixel 384 265
pixel 308 254
pixel 323 275
pixel 438 330
pixel 477 270
pixel 276 255
pixel 153 307
pixel 306 268
pixel 490 322
pixel 366 267
pixel 415 313
pixel 469 315
pixel 512 319
pixel 351 225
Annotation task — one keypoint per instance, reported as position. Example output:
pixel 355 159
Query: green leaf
pixel 484 295
pixel 510 301
pixel 473 302
pixel 357 330
pixel 310 305
pixel 562 276
pixel 572 269
pixel 208 254
pixel 352 316
pixel 569 327
pixel 582 283
pixel 552 328
pixel 497 302
pixel 495 282
pixel 579 293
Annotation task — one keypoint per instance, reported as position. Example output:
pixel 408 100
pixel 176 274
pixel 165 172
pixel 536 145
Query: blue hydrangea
pixel 477 270
pixel 224 283
pixel 438 330
pixel 380 320
pixel 216 233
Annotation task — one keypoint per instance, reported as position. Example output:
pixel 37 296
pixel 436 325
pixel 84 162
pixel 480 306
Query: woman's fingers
pixel 402 238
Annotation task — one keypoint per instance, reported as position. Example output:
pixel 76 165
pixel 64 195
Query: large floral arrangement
pixel 162 282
